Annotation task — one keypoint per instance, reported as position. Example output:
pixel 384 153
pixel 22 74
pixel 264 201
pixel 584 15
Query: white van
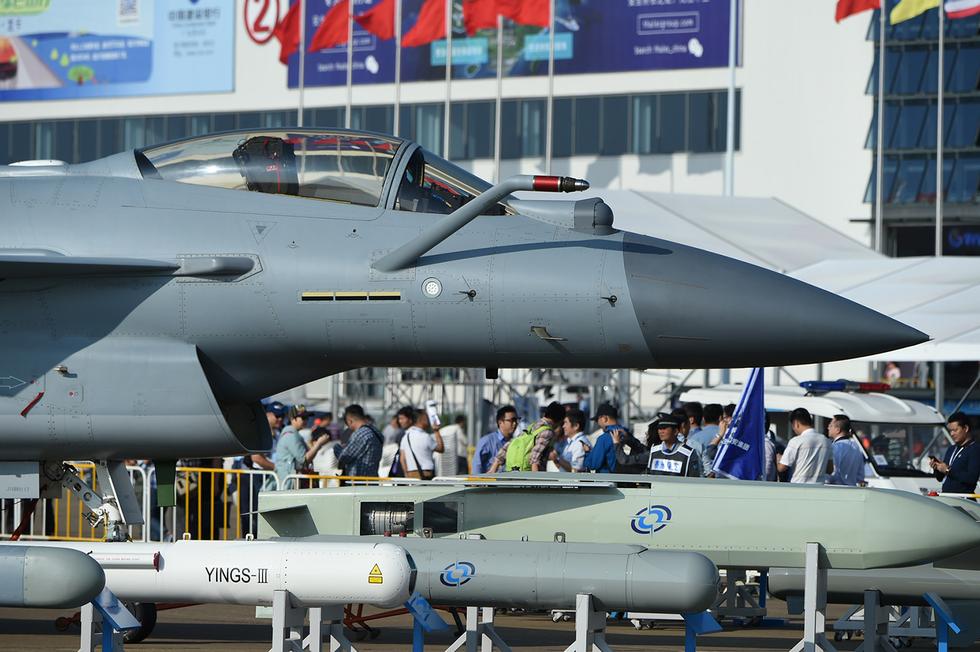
pixel 898 435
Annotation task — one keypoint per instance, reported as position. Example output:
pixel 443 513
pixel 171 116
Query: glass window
pixel 966 73
pixel 132 133
pixel 929 77
pixel 223 121
pixel 154 131
pixel 615 125
pixel 480 129
pixel 4 143
pixel 510 146
pixel 965 27
pixel 427 123
pixel 964 188
pixel 965 128
pixel 586 126
pixel 334 167
pixel 21 142
pixel 909 30
pixel 672 123
pixel 43 140
pixel 927 193
pixel 705 123
pixel 334 117
pixel 64 141
pixel 532 127
pixel 893 59
pixel 177 126
pixel 907 181
pixel 88 140
pixel 404 122
pixel 928 139
pixel 561 142
pixel 200 125
pixel 250 120
pixel 908 75
pixel 432 184
pixel 379 118
pixel 644 123
pixel 109 138
pixel 891 167
pixel 909 126
pixel 930 25
pixel 457 133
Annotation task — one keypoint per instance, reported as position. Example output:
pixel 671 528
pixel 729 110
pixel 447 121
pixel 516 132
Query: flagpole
pixel 302 60
pixel 447 117
pixel 730 129
pixel 550 110
pixel 350 63
pixel 499 102
pixel 879 234
pixel 940 195
pixel 398 66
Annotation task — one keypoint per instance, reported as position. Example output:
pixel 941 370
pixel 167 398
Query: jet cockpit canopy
pixel 332 165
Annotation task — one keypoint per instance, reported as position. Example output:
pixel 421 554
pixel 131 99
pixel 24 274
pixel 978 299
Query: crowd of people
pixel 683 442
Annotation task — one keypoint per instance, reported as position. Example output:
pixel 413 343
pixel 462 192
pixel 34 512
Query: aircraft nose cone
pixel 699 309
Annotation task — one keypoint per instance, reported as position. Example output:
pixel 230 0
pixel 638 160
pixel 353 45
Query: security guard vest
pixel 676 463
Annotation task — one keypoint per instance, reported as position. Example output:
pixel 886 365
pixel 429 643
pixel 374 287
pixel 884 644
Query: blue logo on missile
pixel 651 519
pixel 457 573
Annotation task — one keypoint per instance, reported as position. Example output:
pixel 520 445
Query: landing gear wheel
pixel 374 633
pixel 360 634
pixel 146 613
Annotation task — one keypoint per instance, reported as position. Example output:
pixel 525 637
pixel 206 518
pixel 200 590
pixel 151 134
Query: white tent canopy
pixel 939 296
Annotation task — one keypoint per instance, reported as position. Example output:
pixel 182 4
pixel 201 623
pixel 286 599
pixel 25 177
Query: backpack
pixel 519 449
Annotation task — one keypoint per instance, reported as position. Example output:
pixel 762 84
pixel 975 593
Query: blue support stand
pixel 115 618
pixel 944 621
pixel 426 620
pixel 763 587
pixel 698 623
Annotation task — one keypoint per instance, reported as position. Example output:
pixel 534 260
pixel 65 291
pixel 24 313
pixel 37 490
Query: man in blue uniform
pixel 960 467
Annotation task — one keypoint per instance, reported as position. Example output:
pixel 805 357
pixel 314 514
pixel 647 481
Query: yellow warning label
pixel 375 576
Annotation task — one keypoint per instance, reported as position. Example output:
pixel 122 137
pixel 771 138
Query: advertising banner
pixel 591 36
pixel 66 49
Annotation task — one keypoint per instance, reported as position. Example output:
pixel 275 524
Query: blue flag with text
pixel 741 453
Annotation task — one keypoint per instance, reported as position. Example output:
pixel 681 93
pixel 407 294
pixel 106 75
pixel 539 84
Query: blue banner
pixel 591 36
pixel 62 49
pixel 741 453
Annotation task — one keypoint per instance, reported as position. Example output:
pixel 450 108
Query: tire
pixel 146 613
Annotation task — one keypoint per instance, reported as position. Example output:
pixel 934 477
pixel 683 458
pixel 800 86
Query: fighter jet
pixel 152 297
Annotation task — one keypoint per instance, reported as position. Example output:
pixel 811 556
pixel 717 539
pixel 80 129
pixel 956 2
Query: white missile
pixel 249 572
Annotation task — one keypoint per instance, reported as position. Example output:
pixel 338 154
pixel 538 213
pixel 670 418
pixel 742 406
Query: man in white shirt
pixel 417 447
pixel 572 458
pixel 809 453
pixel 452 435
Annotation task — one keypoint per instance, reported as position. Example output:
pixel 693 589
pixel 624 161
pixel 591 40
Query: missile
pixel 734 524
pixel 900 586
pixel 249 572
pixel 47 578
pixel 548 575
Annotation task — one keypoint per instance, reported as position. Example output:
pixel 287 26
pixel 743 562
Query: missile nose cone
pixel 57 578
pixel 699 309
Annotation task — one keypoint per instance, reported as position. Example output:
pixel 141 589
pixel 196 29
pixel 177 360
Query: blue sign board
pixel 61 49
pixel 591 36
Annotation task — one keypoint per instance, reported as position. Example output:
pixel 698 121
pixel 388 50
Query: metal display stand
pixel 288 627
pixel 876 621
pixel 479 631
pixel 590 626
pixel 815 603
pixel 106 610
pixel 738 600
pixel 944 621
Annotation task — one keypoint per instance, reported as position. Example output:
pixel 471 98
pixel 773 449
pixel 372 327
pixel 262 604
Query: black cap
pixel 667 421
pixel 276 408
pixel 606 410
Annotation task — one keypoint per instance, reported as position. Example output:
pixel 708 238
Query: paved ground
pixel 217 627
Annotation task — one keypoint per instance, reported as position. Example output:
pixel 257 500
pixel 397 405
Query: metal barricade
pixel 312 480
pixel 213 504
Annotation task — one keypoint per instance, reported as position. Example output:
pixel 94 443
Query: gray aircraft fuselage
pixel 145 317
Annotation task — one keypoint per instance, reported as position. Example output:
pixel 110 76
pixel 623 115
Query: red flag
pixel 333 30
pixel 379 20
pixel 431 25
pixel 482 14
pixel 847 8
pixel 962 8
pixel 287 32
pixel 530 12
